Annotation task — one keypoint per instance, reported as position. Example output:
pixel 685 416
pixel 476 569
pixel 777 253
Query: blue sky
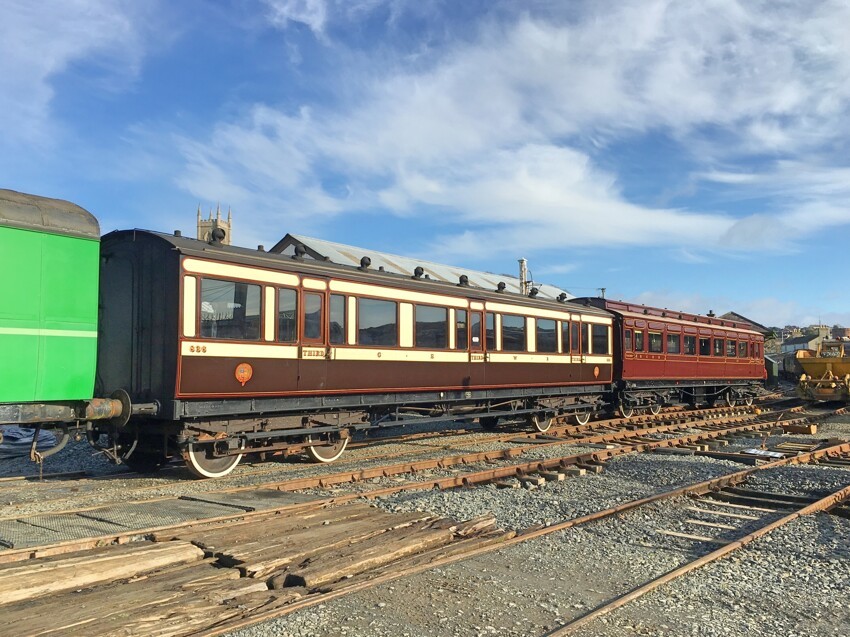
pixel 687 155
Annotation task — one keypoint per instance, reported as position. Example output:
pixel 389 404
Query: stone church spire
pixel 206 226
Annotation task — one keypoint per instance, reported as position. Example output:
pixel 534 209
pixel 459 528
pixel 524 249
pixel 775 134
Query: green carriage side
pixel 49 260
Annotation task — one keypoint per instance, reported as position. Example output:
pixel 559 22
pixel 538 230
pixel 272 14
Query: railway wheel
pixel 203 463
pixel 655 409
pixel 625 411
pixel 540 422
pixel 748 401
pixel 326 451
pixel 488 423
pixel 729 398
pixel 582 417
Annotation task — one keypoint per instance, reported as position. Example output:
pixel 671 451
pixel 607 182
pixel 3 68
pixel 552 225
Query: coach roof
pixel 261 259
pixel 55 216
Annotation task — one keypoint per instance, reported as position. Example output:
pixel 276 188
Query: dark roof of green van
pixel 31 212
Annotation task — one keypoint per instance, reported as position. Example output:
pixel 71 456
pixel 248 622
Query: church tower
pixel 206 226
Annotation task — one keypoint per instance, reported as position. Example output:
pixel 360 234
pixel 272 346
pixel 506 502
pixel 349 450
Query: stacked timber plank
pixel 204 576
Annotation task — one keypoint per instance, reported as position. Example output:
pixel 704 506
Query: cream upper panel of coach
pixel 262 275
pixel 522 310
pixel 396 294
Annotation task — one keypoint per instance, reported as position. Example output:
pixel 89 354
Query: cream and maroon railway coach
pixel 245 351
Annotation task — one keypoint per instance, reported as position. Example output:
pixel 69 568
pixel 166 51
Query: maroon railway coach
pixel 244 351
pixel 663 356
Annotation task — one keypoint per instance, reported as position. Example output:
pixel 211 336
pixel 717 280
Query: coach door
pixel 313 350
pixel 476 347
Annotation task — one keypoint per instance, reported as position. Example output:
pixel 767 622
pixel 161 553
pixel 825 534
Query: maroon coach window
pixel 628 341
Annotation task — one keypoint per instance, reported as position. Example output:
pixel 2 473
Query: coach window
pixel 656 343
pixel 599 334
pixel 674 343
pixel 431 327
pixel 490 330
pixel 638 340
pixel 547 337
pixel 312 317
pixel 513 333
pixel 230 310
pixel 565 337
pixel 627 341
pixel 731 348
pixel 336 308
pixel 585 338
pixel 287 306
pixel 705 347
pixel 690 345
pixel 461 330
pixel 377 322
pixel 575 342
pixel 742 349
pixel 719 346
pixel 475 331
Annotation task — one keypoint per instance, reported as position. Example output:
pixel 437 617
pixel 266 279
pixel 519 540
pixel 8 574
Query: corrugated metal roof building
pixel 322 250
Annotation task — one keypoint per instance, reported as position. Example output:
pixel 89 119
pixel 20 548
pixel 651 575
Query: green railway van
pixel 49 261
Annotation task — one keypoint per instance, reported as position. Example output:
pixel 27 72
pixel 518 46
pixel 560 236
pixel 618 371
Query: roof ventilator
pixel 365 262
pixel 217 236
pixel 501 287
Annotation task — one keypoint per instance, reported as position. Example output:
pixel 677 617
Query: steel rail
pixel 823 504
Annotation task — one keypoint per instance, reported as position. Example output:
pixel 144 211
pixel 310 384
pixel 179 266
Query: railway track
pixel 515 445
pixel 131 518
pixel 59 487
pixel 263 588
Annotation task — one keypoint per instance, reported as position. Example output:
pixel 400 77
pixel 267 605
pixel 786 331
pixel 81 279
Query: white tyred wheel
pixel 540 422
pixel 201 461
pixel 326 451
pixel 582 417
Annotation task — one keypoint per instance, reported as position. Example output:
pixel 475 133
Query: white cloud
pixel 40 40
pixel 490 131
pixel 767 311
pixel 313 13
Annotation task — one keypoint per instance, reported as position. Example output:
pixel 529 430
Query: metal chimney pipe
pixel 523 276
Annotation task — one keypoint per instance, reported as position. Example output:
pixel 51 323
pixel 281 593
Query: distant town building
pixel 206 226
pixel 807 341
pixel 840 332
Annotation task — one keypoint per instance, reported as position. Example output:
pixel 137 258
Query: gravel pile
pixel 625 478
pixel 801 480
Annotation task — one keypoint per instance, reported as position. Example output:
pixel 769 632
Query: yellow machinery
pixel 826 373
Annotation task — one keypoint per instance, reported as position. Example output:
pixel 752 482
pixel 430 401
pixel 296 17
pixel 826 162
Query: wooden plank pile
pixel 199 577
